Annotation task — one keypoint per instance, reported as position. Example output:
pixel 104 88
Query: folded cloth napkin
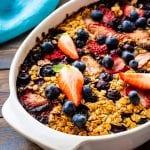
pixel 18 16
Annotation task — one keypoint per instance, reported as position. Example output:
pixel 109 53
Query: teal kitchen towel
pixel 18 16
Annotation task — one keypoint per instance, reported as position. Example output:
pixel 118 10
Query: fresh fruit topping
pixel 148 22
pixel 127 26
pixel 82 34
pixel 88 95
pixel 33 100
pixel 102 85
pixel 79 120
pixel 128 9
pixel 145 98
pixel 56 54
pixel 137 80
pixel 134 97
pixel 79 43
pixel 134 15
pixel 80 65
pixel 46 71
pixel 117 129
pixel 127 56
pixel 47 47
pixel 141 22
pixel 128 47
pixel 52 92
pixel 109 16
pixel 133 64
pixel 113 95
pixel 58 67
pixel 37 55
pixel 87 80
pixel 112 42
pixel 106 77
pixel 108 62
pixel 23 78
pixel 83 109
pixel 95 48
pixel 70 81
pixel 142 59
pixel 118 66
pixel 101 39
pixel 66 45
pixel 92 66
pixel 97 15
pixel 69 108
pixel 142 121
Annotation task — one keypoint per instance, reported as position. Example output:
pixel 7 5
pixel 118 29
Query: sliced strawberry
pixel 142 59
pixel 144 95
pixel 70 81
pixel 67 46
pixel 109 16
pixel 95 48
pixel 56 54
pixel 127 10
pixel 32 99
pixel 137 80
pixel 118 66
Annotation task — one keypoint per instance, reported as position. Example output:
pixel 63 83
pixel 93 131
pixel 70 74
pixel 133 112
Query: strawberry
pixel 70 81
pixel 137 80
pixel 95 48
pixel 32 99
pixel 67 46
pixel 108 16
pixel 56 54
pixel 144 95
pixel 142 59
pixel 127 10
pixel 118 66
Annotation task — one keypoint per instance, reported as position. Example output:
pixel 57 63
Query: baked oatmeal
pixel 91 74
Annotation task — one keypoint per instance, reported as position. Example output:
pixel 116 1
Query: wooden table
pixel 9 138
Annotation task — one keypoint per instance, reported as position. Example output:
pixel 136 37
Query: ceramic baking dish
pixel 48 138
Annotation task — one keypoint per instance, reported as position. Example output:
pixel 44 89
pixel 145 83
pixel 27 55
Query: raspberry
pixel 56 54
pixel 96 49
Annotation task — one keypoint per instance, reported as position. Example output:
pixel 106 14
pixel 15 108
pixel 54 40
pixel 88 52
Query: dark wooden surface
pixel 9 138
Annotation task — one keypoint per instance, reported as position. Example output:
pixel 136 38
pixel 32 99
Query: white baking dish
pixel 48 138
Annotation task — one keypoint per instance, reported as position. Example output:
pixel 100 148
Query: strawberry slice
pixel 144 95
pixel 95 48
pixel 137 80
pixel 108 16
pixel 70 81
pixel 118 66
pixel 127 10
pixel 142 59
pixel 32 99
pixel 56 54
pixel 67 46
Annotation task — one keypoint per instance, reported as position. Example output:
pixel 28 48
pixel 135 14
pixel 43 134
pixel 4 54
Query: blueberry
pixel 134 15
pixel 148 22
pixel 141 22
pixel 52 92
pixel 102 85
pixel 116 129
pixel 113 95
pixel 142 121
pixel 82 34
pixel 79 43
pixel 108 62
pixel 111 42
pixel 87 80
pixel 127 26
pixel 47 47
pixel 46 71
pixel 127 56
pixel 69 108
pixel 79 120
pixel 101 39
pixel 80 52
pixel 128 47
pixel 134 97
pixel 83 109
pixel 106 77
pixel 80 65
pixel 97 15
pixel 23 78
pixel 37 55
pixel 133 64
pixel 87 91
